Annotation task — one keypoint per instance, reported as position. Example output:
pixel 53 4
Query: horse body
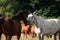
pixel 57 22
pixel 50 27
pixel 11 27
pixel 1 22
pixel 47 27
pixel 24 29
pixel 58 26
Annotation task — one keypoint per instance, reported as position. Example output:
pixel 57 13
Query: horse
pixel 28 29
pixel 58 25
pixel 46 27
pixel 33 33
pixel 24 29
pixel 12 26
pixel 1 22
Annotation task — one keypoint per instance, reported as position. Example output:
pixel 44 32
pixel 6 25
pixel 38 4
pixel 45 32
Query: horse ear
pixel 34 13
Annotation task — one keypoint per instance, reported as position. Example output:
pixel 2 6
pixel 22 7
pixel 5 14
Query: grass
pixel 22 38
pixel 28 38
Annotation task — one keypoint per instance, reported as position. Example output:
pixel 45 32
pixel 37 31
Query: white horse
pixel 46 27
pixel 57 22
pixel 58 25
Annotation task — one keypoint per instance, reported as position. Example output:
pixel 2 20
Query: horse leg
pixel 26 35
pixel 59 35
pixel 8 37
pixel 18 35
pixel 33 35
pixel 50 36
pixel 0 36
pixel 41 37
pixel 54 36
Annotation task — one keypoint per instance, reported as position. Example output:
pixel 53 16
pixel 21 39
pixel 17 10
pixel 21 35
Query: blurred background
pixel 44 8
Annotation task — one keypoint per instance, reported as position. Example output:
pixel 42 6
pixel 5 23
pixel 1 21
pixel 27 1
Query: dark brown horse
pixel 1 22
pixel 12 26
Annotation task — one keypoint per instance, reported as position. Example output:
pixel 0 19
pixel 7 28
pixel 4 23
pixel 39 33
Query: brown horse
pixel 28 29
pixel 1 22
pixel 12 26
pixel 24 29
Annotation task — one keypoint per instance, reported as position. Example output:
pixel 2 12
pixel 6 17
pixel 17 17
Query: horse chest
pixel 11 27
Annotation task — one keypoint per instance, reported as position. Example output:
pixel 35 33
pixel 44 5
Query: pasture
pixel 28 38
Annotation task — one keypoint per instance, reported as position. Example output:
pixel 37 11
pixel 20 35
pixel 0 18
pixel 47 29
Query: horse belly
pixel 50 28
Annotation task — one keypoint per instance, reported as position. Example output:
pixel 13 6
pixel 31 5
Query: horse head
pixel 31 17
pixel 22 15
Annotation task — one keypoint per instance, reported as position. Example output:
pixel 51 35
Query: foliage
pixel 46 8
pixel 6 8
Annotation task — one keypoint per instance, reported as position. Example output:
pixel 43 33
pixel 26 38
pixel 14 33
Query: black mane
pixel 21 15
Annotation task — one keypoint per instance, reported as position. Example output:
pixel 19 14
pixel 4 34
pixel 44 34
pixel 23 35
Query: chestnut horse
pixel 12 26
pixel 28 29
pixel 24 29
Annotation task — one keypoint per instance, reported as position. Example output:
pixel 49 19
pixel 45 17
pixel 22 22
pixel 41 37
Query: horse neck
pixel 16 18
pixel 19 19
pixel 1 21
pixel 38 21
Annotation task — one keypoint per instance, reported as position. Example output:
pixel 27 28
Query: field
pixel 28 38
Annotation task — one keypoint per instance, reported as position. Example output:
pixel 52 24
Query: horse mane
pixel 21 14
pixel 39 17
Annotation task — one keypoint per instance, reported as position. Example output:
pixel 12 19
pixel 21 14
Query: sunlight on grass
pixel 28 38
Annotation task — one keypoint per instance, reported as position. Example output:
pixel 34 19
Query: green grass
pixel 21 38
pixel 28 38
